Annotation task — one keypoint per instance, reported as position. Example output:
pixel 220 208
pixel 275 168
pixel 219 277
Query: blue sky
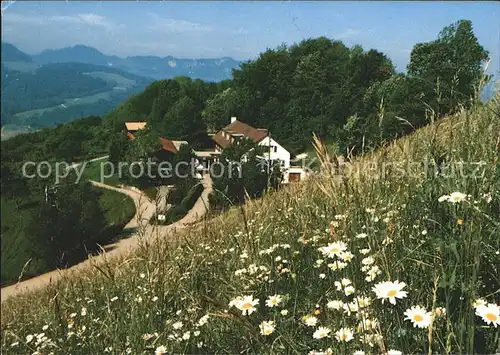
pixel 240 29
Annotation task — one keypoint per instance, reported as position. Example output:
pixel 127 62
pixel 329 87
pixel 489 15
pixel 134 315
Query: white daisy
pixel 203 320
pixel 373 273
pixel 177 325
pixel 418 316
pixel 490 314
pixel 346 256
pixel 443 198
pixel 479 302
pixel 351 307
pixel 344 334
pixel 321 333
pixel 310 321
pixel 333 249
pixel 368 260
pixel 349 290
pixel 245 304
pixel 345 282
pixel 273 301
pixel 390 290
pixel 161 350
pixel 456 197
pixel 267 328
pixel 335 305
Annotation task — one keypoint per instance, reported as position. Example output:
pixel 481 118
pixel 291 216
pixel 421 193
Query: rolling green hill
pixel 58 93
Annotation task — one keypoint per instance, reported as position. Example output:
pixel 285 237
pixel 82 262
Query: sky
pixel 240 29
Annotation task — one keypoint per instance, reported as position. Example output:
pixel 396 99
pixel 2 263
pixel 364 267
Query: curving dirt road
pixel 140 226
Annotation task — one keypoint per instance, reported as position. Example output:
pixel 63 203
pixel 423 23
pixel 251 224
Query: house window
pixel 275 148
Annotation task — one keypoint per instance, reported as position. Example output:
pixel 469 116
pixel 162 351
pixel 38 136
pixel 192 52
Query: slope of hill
pixel 10 53
pixel 150 66
pixel 57 93
pixel 309 267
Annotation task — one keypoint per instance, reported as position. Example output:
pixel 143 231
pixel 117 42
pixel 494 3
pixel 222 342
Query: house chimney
pixel 233 119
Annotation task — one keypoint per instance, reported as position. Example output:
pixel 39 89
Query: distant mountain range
pixel 60 85
pixel 36 95
pixel 151 66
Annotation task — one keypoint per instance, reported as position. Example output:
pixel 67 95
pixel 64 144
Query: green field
pixel 21 66
pixel 119 80
pixel 93 172
pixel 91 99
pixel 121 84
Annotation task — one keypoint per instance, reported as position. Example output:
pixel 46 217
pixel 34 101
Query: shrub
pixel 178 211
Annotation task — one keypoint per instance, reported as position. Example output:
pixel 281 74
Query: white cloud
pixel 95 20
pixel 86 18
pixel 62 19
pixel 170 25
pixel 349 33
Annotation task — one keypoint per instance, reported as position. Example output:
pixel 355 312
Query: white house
pixel 274 152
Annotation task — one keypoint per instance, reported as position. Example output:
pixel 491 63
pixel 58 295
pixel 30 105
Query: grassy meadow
pixel 390 258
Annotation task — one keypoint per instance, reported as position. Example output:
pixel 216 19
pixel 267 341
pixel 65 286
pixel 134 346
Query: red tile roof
pixel 135 126
pixel 239 128
pixel 171 146
pixel 168 145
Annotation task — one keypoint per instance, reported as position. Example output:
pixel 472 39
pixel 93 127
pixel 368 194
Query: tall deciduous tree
pixel 453 63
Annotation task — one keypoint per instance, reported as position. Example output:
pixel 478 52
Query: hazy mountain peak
pixel 11 53
pixel 156 67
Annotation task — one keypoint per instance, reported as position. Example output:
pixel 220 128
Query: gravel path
pixel 145 209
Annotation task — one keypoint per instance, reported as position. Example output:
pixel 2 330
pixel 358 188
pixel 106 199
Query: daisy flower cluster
pixel 489 312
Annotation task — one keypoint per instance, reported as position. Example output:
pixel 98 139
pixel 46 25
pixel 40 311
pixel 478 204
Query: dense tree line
pixel 349 95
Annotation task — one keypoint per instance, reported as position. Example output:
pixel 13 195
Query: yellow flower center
pixel 392 293
pixel 246 305
pixel 491 316
pixel 418 318
pixel 267 331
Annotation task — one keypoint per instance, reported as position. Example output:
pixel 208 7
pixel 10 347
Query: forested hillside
pixel 58 93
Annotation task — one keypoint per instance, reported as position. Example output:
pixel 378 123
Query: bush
pixel 178 211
